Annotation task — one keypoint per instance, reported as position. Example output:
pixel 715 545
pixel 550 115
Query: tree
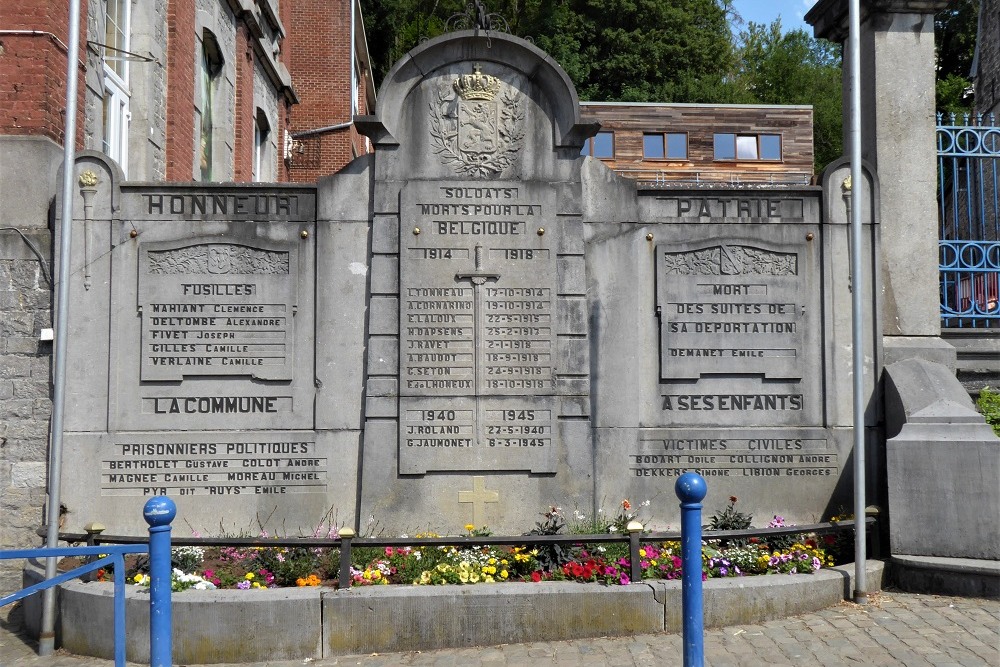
pixel 955 32
pixel 792 68
pixel 628 50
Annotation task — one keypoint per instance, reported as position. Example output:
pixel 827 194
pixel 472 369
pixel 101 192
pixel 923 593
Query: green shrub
pixel 989 404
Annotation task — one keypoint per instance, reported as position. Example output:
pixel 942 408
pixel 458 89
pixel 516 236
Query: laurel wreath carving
pixel 730 260
pixel 224 258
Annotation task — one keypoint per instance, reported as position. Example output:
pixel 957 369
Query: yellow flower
pixel 255 585
pixel 642 552
pixel 469 527
pixel 425 577
pixel 491 561
pixel 652 562
pixel 488 579
pixel 474 577
pixel 503 574
pixel 504 562
pixel 249 576
pixel 463 576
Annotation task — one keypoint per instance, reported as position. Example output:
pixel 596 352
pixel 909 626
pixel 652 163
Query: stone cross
pixel 479 496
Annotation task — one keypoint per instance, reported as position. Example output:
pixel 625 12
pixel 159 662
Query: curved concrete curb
pixel 225 626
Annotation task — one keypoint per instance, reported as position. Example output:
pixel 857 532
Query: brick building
pixel 180 90
pixel 173 90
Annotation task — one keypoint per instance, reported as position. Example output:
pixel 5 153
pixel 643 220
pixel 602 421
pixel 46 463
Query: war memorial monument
pixel 476 323
pixel 471 325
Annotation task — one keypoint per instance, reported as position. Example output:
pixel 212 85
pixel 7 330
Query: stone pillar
pixel 898 129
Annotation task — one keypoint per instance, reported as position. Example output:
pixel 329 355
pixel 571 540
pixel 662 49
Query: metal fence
pixel 159 512
pixel 969 220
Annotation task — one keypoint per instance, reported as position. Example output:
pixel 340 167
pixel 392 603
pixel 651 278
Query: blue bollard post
pixel 691 489
pixel 159 512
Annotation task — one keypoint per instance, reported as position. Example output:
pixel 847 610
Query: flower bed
pixel 609 563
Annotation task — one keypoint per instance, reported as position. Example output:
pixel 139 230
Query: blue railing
pixel 159 512
pixel 969 220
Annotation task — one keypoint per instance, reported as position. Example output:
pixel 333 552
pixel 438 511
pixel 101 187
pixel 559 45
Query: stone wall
pixel 25 406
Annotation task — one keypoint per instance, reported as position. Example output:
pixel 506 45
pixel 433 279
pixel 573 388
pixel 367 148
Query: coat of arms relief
pixel 477 125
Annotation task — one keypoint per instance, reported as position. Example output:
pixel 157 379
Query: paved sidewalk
pixel 894 629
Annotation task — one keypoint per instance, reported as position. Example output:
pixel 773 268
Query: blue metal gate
pixel 969 221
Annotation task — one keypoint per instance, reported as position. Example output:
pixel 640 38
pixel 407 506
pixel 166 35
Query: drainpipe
pixel 355 8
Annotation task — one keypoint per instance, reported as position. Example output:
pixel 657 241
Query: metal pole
pixel 857 319
pixel 47 637
pixel 159 512
pixel 691 489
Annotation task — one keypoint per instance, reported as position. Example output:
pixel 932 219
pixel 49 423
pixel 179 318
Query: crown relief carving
pixel 477 86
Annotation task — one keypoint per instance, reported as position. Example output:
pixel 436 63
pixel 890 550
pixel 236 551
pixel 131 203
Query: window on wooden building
pixel 664 146
pixel 731 146
pixel 601 145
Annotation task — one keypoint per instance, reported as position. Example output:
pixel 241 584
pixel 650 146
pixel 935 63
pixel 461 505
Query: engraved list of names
pixel 214 309
pixel 477 336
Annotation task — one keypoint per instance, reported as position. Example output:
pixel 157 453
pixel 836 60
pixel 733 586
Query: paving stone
pixel 901 631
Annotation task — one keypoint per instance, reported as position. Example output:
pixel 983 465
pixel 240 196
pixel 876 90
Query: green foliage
pixel 552 556
pixel 629 50
pixel 730 518
pixel 989 404
pixel 955 31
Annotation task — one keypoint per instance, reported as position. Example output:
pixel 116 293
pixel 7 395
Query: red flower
pixel 733 499
pixel 626 505
pixel 536 576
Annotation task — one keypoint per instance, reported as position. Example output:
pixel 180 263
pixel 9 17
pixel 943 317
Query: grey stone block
pixel 942 466
pixel 399 618
pixel 930 348
pixel 966 577
pixel 209 627
pixel 751 600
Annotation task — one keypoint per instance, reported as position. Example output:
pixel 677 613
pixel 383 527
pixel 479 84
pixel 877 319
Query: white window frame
pixel 117 111
pixel 261 145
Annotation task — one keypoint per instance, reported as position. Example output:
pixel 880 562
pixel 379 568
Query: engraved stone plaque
pixel 213 464
pixel 213 308
pixel 739 342
pixel 477 328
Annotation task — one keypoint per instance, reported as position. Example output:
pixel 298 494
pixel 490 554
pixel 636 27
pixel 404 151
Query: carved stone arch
pixel 569 130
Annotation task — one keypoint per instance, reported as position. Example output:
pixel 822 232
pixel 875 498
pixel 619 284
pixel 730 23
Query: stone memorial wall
pixel 470 326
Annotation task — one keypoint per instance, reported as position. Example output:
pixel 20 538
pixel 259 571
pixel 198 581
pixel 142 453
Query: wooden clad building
pixel 680 144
